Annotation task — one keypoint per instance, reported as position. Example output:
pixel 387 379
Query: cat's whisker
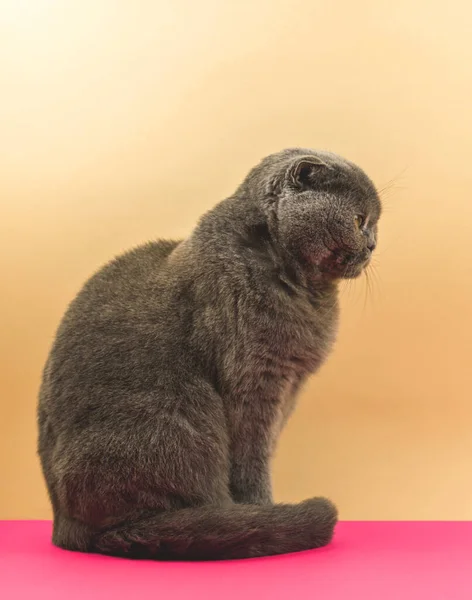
pixel 381 251
pixel 388 189
pixel 366 289
pixel 350 287
pixel 380 284
pixel 346 288
pixel 395 179
pixel 377 284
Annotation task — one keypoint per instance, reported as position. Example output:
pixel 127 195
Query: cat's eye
pixel 359 221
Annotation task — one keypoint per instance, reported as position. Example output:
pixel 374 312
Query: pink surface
pixel 374 560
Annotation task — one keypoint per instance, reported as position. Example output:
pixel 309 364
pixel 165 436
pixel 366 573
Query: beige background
pixel 124 121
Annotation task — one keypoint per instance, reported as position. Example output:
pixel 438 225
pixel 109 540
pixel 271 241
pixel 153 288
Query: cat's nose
pixel 370 238
pixel 371 245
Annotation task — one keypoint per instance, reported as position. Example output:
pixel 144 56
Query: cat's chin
pixel 354 272
pixel 337 276
pixel 343 266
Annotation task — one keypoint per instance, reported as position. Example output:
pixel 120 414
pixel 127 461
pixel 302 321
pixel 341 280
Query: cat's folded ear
pixel 304 170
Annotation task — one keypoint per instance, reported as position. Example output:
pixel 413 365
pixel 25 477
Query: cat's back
pixel 123 286
pixel 135 270
pixel 112 327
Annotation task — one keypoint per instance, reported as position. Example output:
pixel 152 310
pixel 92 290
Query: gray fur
pixel 176 367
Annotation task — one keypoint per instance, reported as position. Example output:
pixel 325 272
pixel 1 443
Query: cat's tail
pixel 210 533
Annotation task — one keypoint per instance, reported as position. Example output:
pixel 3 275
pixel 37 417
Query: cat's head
pixel 322 209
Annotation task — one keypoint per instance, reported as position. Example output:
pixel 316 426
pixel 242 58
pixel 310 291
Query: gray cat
pixel 176 367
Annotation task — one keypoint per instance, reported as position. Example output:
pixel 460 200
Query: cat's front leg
pixel 251 449
pixel 255 423
pixel 250 481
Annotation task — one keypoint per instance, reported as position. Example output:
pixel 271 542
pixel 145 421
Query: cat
pixel 176 367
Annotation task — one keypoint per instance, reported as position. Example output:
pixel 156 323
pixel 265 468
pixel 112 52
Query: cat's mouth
pixel 345 264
